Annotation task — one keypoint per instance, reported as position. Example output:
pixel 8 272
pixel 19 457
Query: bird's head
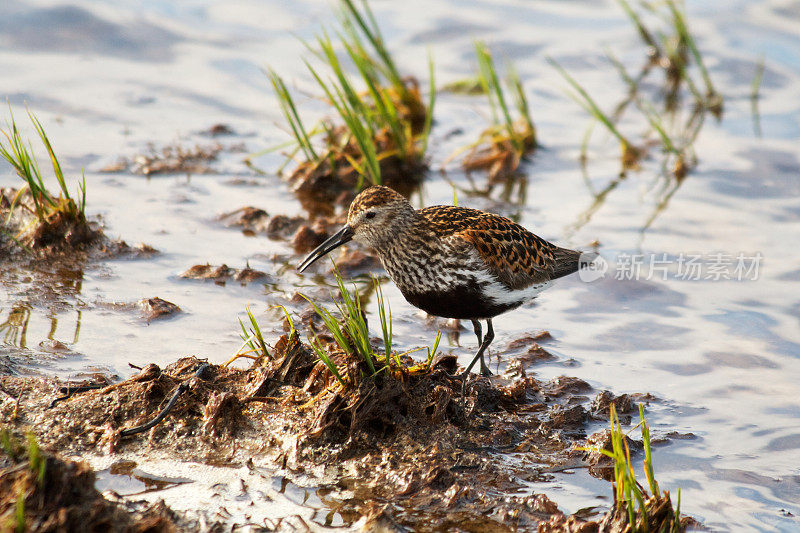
pixel 376 216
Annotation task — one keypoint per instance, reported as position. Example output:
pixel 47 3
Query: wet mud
pixel 41 491
pixel 55 231
pixel 412 446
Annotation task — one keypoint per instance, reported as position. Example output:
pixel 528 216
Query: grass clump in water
pixel 669 99
pixel 675 113
pixel 512 135
pixel 35 216
pixel 635 509
pixel 381 126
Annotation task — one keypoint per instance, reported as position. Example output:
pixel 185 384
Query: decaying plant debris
pixel 170 159
pixel 332 181
pixel 43 492
pixel 57 231
pixel 414 451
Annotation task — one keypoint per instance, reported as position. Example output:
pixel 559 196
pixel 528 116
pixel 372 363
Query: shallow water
pixel 106 79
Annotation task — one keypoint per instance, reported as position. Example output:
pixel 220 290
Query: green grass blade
pixel 755 87
pixel 50 152
pixel 262 345
pixel 644 33
pixel 426 129
pixel 373 34
pixel 36 460
pixel 648 456
pixel 590 105
pixel 518 91
pixel 316 345
pixel 485 79
pixel 385 316
pixel 246 337
pixel 289 111
pixel 432 350
pixel 20 525
pixel 292 329
pixel 82 187
pixel 657 125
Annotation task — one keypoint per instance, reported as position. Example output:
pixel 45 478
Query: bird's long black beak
pixel 337 239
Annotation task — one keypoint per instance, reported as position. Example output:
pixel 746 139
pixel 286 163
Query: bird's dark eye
pixel 369 215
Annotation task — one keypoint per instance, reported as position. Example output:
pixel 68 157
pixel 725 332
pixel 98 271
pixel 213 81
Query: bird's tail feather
pixel 569 261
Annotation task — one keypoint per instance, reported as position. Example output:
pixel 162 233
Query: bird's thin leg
pixel 485 342
pixel 476 325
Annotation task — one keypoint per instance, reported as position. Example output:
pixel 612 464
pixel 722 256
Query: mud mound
pixel 58 230
pixel 43 492
pixel 412 445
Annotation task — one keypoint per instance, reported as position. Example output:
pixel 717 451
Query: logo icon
pixel 593 267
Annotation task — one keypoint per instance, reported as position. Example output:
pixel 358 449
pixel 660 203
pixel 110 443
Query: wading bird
pixel 453 262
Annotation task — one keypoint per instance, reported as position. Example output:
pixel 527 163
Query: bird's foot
pixel 485 372
pixel 457 377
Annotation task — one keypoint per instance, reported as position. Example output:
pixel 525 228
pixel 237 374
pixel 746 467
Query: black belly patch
pixel 464 302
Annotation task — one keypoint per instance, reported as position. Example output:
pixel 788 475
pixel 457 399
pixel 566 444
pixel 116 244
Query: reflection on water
pixel 41 315
pixel 720 356
pixel 15 327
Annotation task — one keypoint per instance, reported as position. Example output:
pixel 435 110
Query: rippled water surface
pixel 723 356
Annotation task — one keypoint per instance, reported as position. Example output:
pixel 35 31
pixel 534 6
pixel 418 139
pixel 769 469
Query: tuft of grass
pixel 672 50
pixel 385 126
pixel 631 497
pixel 352 334
pixel 254 338
pixel 352 111
pixel 19 154
pixel 253 344
pixel 520 133
pixel 512 134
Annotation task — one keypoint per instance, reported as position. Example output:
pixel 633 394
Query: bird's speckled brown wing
pixel 516 256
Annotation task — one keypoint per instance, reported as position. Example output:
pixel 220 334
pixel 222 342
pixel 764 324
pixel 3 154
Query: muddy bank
pixel 411 446
pixel 41 491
